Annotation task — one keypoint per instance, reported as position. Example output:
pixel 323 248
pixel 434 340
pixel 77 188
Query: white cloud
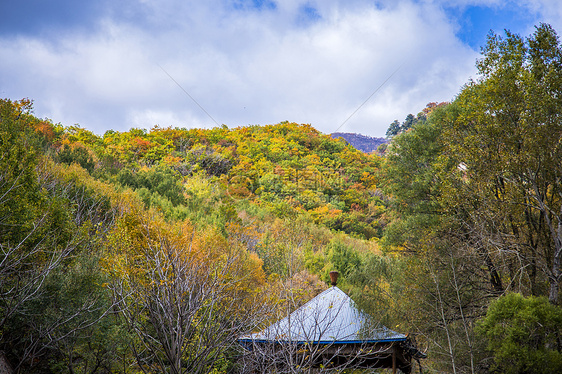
pixel 244 66
pixel 551 11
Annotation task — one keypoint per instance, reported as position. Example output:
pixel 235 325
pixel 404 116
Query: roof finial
pixel 334 277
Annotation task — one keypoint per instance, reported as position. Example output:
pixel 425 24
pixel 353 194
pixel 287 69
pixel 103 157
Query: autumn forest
pixel 152 251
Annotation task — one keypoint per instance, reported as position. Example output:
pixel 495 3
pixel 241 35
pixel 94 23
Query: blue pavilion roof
pixel 331 317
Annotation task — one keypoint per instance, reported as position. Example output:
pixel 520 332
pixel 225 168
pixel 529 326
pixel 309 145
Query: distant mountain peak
pixel 364 143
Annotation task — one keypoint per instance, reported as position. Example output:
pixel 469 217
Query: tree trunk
pixel 555 277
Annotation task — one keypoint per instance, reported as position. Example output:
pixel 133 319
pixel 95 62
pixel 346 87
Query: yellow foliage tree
pixel 186 293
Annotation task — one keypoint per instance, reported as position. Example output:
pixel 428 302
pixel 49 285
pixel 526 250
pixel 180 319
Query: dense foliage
pixel 129 252
pixel 523 334
pixel 475 197
pixel 152 250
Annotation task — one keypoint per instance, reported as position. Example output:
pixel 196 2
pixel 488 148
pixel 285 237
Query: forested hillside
pixel 254 217
pixel 153 250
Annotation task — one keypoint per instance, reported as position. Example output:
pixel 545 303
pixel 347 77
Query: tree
pixel 396 127
pixel 49 228
pixel 523 334
pixel 184 298
pixel 409 178
pixel 450 275
pixel 476 194
pixel 506 137
pixel 28 244
pixel 393 129
pixel 77 155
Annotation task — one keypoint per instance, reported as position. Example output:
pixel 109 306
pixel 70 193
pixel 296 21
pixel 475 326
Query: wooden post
pixel 393 359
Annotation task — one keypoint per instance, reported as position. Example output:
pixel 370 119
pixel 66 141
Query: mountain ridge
pixel 363 143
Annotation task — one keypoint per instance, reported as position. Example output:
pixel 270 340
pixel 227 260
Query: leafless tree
pixel 187 311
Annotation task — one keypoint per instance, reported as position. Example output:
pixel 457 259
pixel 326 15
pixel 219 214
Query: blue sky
pixel 107 64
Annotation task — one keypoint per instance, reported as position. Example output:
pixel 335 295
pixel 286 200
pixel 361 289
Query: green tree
pixel 159 187
pixel 396 127
pixel 50 225
pixel 79 155
pixel 25 256
pixel 507 140
pixel 393 129
pixel 523 334
pixel 344 258
pixel 475 192
pixel 410 180
pixel 449 274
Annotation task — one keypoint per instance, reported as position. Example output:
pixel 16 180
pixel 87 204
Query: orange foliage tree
pixel 187 294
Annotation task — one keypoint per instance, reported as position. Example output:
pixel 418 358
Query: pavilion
pixel 329 331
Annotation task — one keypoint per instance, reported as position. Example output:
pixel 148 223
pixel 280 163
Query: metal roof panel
pixel 330 317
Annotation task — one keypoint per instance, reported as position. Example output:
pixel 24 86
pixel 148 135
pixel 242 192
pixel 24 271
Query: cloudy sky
pixel 340 65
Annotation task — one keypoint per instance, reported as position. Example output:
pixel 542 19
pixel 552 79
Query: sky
pixel 339 65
